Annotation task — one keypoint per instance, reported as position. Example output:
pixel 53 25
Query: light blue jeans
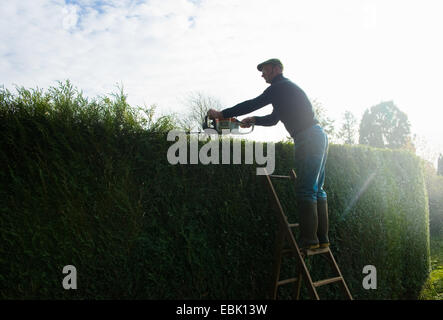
pixel 311 150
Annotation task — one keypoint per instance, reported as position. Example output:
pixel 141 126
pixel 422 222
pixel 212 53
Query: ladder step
pixel 281 177
pixel 291 280
pixel 327 281
pixel 294 225
pixel 310 252
pixel 313 252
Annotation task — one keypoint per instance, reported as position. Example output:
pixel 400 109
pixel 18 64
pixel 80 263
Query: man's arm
pixel 267 121
pixel 248 106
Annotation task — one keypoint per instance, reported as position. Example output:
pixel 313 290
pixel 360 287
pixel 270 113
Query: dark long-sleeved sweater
pixel 291 106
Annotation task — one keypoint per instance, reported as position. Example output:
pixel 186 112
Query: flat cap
pixel 275 62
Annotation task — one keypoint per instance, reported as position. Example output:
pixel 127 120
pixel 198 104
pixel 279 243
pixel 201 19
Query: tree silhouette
pixel 325 122
pixel 348 130
pixel 197 104
pixel 385 126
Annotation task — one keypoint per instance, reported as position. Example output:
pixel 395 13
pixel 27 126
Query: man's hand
pixel 214 114
pixel 247 122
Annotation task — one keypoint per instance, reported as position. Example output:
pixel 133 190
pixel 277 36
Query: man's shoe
pixel 323 225
pixel 308 224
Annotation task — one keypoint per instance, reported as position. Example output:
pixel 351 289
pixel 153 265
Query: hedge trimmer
pixel 222 125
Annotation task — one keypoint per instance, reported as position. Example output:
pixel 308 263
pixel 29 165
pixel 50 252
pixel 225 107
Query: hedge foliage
pixel 87 183
pixel 434 185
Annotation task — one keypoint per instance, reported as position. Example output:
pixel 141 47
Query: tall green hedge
pixel 83 183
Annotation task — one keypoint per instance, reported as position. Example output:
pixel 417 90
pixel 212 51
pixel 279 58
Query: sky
pixel 345 54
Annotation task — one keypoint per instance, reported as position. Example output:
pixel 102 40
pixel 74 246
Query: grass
pixel 433 288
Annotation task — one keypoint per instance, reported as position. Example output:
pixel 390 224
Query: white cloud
pixel 70 17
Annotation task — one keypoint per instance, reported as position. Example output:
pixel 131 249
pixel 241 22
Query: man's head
pixel 270 68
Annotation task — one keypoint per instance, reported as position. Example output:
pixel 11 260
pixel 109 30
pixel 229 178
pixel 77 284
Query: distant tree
pixel 325 122
pixel 385 126
pixel 348 130
pixel 440 165
pixel 425 149
pixel 409 145
pixel 197 104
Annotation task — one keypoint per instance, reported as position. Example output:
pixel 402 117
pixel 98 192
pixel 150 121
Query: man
pixel 292 107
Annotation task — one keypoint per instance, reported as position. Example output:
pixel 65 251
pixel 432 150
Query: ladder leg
pixel 280 238
pixel 303 268
pixel 343 286
pixel 300 279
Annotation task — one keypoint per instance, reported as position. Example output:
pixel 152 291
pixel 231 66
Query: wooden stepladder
pixel 285 235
